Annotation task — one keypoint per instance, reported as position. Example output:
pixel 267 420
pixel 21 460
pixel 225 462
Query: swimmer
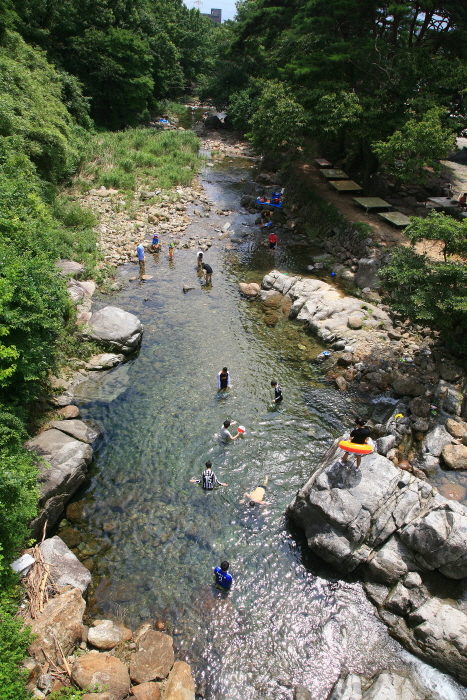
pixel 208 478
pixel 360 436
pixel 222 579
pixel 224 433
pixel 207 269
pixel 257 495
pixel 223 379
pixel 278 398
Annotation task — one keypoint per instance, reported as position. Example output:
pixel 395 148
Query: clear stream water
pixel 152 537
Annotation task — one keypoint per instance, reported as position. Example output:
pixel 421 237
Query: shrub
pixel 14 641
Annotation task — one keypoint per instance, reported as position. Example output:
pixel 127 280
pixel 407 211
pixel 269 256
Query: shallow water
pixel 153 537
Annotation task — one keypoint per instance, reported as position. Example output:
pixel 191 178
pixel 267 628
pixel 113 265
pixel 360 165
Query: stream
pixel 152 538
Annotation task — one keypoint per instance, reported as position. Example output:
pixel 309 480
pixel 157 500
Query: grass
pixel 140 157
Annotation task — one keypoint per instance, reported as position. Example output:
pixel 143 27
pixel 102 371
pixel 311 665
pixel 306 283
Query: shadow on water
pixel 151 537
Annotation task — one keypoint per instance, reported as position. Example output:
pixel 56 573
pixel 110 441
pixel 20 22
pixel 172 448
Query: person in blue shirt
pixel 140 254
pixel 155 243
pixel 222 579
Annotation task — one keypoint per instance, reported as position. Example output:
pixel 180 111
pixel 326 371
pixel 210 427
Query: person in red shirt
pixel 272 241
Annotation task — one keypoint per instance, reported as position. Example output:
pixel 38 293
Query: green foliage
pixel 126 54
pixel 408 153
pixel 159 158
pixel 440 227
pixel 431 292
pixel 363 72
pixel 33 118
pixel 278 121
pixel 69 694
pixel 14 641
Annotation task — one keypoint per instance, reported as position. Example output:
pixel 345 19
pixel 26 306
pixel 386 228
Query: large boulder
pixel 69 268
pixel 65 568
pixel 62 620
pixel 154 657
pixel 106 634
pixel 249 289
pixel 60 475
pixel 77 429
pixel 348 515
pixel 146 691
pixel 116 328
pixel 405 385
pixel 180 684
pixel 436 440
pixel 213 122
pixel 455 456
pixel 103 673
pixel 367 273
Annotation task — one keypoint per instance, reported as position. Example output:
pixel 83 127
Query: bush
pixel 431 292
pixel 14 641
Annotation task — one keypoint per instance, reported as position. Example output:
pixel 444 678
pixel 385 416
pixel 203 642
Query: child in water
pixel 222 578
pixel 171 250
pixel 223 379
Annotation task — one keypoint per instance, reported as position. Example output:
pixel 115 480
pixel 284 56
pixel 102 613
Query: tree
pixel 440 227
pixel 408 153
pixel 429 291
pixel 278 122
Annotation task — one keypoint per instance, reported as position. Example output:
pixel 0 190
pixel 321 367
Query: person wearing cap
pixel 199 259
pixel 155 243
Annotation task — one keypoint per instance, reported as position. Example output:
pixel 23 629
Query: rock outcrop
pixel 62 470
pixel 115 328
pixel 395 527
pixel 326 312
pixel 389 685
pixel 180 684
pixel 154 657
pixel 77 429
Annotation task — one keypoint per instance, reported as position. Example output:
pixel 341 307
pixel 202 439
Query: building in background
pixel 216 16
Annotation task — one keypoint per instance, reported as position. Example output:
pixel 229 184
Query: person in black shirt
pixel 208 478
pixel 277 392
pixel 207 269
pixel 223 379
pixel 359 436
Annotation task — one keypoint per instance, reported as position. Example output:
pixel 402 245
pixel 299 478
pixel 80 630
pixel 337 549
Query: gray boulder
pixel 105 360
pixel 69 268
pixel 61 472
pixel 448 397
pixel 347 518
pixel 77 429
pixel 301 693
pixel 115 328
pixel 367 273
pixel 384 444
pixel 65 568
pixel 436 440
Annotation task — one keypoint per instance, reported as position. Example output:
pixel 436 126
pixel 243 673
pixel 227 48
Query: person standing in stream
pixel 223 379
pixel 278 398
pixel 140 255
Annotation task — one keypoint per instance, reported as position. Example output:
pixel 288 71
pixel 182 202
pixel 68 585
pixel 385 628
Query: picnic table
pixel 369 203
pixel 334 174
pixel 322 163
pixel 345 186
pixel 396 218
pixel 443 202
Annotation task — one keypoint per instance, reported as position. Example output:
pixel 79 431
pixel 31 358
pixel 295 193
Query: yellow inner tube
pixel 355 448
